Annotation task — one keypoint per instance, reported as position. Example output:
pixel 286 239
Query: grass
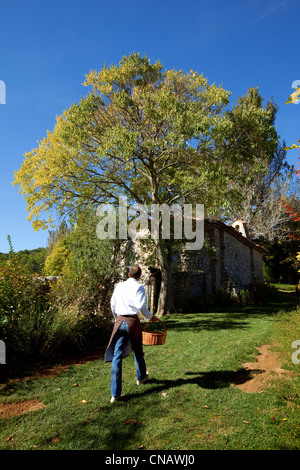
pixel 190 401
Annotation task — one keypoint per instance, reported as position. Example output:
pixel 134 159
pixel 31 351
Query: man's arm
pixel 141 299
pixel 141 303
pixel 113 304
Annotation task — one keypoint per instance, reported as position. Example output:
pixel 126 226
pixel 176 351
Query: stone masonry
pixel 229 261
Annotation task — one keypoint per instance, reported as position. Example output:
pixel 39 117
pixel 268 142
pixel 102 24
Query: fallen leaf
pixel 140 447
pixel 129 421
pixel 164 394
pixel 10 438
pixel 56 440
pixel 246 422
pixel 206 406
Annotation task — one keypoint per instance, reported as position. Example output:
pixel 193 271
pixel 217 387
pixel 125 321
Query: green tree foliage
pixel 55 262
pixel 32 260
pixel 89 270
pixel 281 263
pixel 56 235
pixel 251 140
pixel 36 319
pixel 153 135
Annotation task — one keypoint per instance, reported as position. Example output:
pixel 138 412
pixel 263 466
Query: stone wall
pixel 238 262
pixel 228 260
pixel 187 288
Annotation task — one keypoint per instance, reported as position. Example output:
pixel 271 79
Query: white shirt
pixel 129 298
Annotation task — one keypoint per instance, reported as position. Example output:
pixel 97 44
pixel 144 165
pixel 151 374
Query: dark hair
pixel 135 272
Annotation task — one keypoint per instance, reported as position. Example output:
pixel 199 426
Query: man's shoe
pixel 114 399
pixel 142 381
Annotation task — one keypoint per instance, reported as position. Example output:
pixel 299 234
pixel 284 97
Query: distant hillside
pixel 34 259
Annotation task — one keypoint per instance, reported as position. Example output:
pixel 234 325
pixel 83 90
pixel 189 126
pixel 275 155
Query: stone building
pixel 228 262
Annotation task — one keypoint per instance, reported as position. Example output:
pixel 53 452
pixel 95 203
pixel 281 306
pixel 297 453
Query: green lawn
pixel 190 401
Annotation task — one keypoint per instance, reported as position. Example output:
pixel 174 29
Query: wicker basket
pixel 152 338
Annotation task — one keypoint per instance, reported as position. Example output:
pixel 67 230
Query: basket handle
pixel 160 322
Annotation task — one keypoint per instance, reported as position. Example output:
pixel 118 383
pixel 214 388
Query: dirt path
pixel 258 374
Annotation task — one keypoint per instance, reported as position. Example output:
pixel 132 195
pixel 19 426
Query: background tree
pixel 56 260
pixel 57 235
pixel 294 213
pixel 133 135
pixel 262 208
pixel 155 136
pixel 89 270
pixel 262 176
pixel 32 260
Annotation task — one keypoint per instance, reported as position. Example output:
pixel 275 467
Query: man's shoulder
pixel 129 284
pixel 122 284
pixel 119 285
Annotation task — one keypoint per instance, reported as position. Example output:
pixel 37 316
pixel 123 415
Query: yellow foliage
pixel 55 262
pixel 294 98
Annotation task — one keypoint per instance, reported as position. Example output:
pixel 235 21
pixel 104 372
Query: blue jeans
pixel 121 339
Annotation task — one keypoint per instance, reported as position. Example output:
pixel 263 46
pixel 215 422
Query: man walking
pixel 128 299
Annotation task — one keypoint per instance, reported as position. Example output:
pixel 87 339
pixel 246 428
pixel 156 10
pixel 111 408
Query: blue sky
pixel 47 48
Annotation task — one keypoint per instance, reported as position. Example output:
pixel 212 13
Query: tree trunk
pixel 166 303
pixel 164 256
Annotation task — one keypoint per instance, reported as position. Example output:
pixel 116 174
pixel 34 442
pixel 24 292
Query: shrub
pixel 41 330
pixel 39 318
pixel 29 324
pixel 56 260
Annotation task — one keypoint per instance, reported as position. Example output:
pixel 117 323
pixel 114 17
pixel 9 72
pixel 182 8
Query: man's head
pixel 135 272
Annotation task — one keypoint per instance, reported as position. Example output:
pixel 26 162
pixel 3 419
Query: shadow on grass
pixel 232 316
pixel 211 322
pixel 209 380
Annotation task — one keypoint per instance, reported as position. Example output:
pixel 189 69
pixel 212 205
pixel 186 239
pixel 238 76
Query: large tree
pixel 261 208
pixel 142 132
pixel 290 207
pixel 135 135
pixel 251 141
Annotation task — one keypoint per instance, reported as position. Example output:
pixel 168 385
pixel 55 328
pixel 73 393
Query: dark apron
pixel 135 342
